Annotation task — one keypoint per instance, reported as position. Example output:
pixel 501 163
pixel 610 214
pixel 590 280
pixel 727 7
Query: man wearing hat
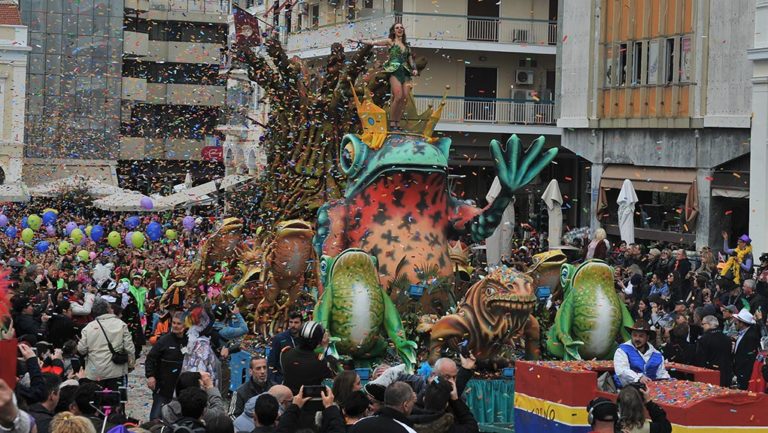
pixel 637 360
pixel 602 415
pixel 745 348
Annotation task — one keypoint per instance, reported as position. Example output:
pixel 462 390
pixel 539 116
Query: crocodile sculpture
pixel 592 319
pixel 355 309
pixel 494 311
pixel 398 207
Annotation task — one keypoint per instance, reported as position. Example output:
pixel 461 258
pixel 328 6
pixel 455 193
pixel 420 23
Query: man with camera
pixel 637 360
pixel 108 347
pixel 25 319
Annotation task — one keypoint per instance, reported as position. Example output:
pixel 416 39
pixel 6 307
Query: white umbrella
pixel 499 244
pixel 188 180
pixel 554 200
pixel 626 201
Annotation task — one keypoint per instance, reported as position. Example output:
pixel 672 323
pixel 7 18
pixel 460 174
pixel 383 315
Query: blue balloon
pixel 132 222
pixel 42 246
pixel 11 232
pixel 97 232
pixel 49 218
pixel 154 231
pixel 24 223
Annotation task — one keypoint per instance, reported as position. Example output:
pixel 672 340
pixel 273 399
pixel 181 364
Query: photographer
pixel 25 321
pixel 171 412
pixel 633 401
pixel 60 326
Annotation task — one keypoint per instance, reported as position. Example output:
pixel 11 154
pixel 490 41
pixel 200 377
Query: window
pixel 669 61
pixel 368 4
pixel 652 75
pixel 622 67
pixel 314 16
pixel 609 72
pixel 638 61
pixel 686 69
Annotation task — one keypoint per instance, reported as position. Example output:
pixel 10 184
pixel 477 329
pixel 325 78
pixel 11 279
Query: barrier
pixel 552 396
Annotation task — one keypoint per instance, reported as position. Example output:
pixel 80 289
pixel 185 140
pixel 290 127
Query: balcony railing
pixel 194 6
pixel 492 111
pixel 437 27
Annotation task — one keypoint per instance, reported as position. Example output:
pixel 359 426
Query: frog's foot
pixel 572 350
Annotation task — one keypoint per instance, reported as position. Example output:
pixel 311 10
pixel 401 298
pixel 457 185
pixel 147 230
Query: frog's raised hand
pixel 514 174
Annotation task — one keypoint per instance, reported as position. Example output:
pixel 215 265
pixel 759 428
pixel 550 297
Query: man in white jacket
pixel 93 344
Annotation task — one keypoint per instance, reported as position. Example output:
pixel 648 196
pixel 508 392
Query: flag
pixel 246 27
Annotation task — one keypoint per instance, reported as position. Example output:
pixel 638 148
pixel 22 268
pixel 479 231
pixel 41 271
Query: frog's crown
pixel 374 119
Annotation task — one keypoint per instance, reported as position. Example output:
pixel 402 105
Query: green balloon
pixel 76 236
pixel 83 255
pixel 113 238
pixel 137 239
pixel 88 230
pixel 35 222
pixel 64 247
pixel 171 234
pixel 27 234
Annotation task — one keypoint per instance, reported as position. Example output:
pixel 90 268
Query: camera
pixel 313 391
pixel 464 348
pixel 109 398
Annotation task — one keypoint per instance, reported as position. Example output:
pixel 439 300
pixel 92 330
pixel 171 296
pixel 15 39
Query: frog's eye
pixel 490 291
pixel 352 155
pixel 323 267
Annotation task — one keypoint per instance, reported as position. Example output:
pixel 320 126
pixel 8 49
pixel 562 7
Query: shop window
pixel 638 61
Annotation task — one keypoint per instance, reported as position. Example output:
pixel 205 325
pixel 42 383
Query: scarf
pixel 734 264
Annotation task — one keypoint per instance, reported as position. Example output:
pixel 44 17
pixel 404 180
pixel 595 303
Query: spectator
pixel 95 343
pixel 440 395
pixel 602 415
pixel 344 384
pixel 280 341
pixel 67 422
pixel 756 301
pixel 729 321
pixel 257 384
pixel 221 423
pixel 171 412
pixel 658 286
pixel 679 349
pixel 265 413
pixel 745 349
pixel 163 365
pixel 82 405
pixel 637 360
pixel 713 350
pixel 12 419
pixel 356 407
pixel 24 320
pixel 193 403
pixel 599 246
pixel 399 401
pixel 61 328
pixel 244 422
pixel 43 412
pixel 300 365
pixel 35 392
pixel 633 401
pixel 229 322
pixel 283 395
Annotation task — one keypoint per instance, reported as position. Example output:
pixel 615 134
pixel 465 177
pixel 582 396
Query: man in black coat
pixel 255 385
pixel 399 400
pixel 163 365
pixel 713 350
pixel 24 321
pixel 287 338
pixel 61 328
pixel 43 412
pixel 745 349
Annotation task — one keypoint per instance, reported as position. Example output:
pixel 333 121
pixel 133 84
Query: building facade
pixel 13 68
pixel 758 187
pixel 496 60
pixel 173 93
pixel 659 92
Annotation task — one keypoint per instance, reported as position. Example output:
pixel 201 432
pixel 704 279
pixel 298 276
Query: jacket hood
pixel 437 422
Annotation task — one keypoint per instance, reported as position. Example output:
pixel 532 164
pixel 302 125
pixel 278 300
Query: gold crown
pixel 459 253
pixel 374 119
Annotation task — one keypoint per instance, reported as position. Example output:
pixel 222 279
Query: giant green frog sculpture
pixel 398 207
pixel 591 320
pixel 355 309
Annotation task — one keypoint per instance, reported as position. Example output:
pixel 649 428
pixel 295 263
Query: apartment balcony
pixel 509 116
pixel 189 10
pixel 436 31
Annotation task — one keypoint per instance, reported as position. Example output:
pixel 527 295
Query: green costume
pixel 140 294
pixel 398 62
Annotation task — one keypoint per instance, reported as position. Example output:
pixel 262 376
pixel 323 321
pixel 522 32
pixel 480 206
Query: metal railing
pixel 493 111
pixel 439 27
pixel 196 6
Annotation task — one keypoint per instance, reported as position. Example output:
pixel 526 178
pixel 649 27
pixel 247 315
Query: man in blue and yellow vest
pixel 637 360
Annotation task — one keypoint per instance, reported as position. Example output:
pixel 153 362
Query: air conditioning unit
pixel 524 76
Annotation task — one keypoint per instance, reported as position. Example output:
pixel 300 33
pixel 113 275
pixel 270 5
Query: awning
pixel 675 180
pixel 15 192
pixel 128 202
pixel 199 195
pixel 95 187
pixel 41 170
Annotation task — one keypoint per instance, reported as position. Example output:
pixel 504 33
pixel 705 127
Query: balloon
pixel 129 239
pixel 64 247
pixel 46 210
pixel 11 232
pixel 132 222
pixel 76 236
pixel 146 203
pixel 42 246
pixel 70 226
pixel 92 255
pixel 34 222
pixel 97 232
pixel 88 230
pixel 3 220
pixel 50 231
pixel 154 231
pixel 137 239
pixel 188 222
pixel 27 234
pixel 49 217
pixel 83 255
pixel 113 238
pixel 171 234
pixel 24 222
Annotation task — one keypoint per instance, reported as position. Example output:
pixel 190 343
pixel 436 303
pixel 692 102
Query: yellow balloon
pixel 64 247
pixel 83 255
pixel 88 230
pixel 171 234
pixel 137 239
pixel 113 238
pixel 76 236
pixel 27 234
pixel 34 222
